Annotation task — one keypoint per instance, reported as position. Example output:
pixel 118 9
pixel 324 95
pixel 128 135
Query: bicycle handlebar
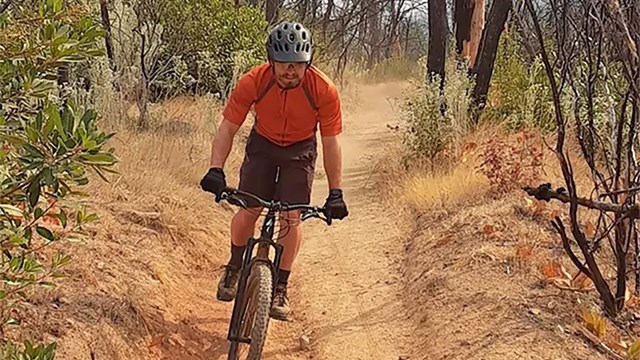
pixel 231 195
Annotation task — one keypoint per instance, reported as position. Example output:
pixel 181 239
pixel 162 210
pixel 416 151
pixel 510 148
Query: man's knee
pixel 248 217
pixel 291 218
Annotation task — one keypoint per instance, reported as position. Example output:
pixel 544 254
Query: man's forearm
pixel 222 144
pixel 332 153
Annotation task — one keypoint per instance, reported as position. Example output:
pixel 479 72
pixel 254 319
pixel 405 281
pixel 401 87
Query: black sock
pixel 283 277
pixel 236 255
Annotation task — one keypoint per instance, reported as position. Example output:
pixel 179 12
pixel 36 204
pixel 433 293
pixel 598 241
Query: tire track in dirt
pixel 346 291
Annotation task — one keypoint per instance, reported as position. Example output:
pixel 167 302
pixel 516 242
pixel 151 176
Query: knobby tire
pixel 255 315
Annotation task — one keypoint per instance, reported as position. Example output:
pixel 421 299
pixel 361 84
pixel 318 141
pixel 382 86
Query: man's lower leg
pixel 283 276
pixel 242 227
pixel 289 225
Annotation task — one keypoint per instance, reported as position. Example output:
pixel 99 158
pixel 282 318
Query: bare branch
pixel 559 226
pixel 544 192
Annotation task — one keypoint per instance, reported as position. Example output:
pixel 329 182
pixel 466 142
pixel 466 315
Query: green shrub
pixel 519 94
pixel 216 42
pixel 429 132
pixel 47 144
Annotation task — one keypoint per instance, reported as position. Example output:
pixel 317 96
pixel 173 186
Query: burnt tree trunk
pixel 437 40
pixel 477 24
pixel 463 10
pixel 469 21
pixel 488 49
pixel 106 23
pixel 143 96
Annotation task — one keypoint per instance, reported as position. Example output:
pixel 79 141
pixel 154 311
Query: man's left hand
pixel 335 205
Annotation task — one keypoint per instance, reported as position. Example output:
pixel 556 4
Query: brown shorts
pixel 279 173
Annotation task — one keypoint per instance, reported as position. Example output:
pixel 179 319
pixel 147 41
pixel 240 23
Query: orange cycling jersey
pixel 286 116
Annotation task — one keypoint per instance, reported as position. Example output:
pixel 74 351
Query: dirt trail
pixel 346 279
pixel 345 288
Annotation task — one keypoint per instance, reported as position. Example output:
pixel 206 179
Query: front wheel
pixel 254 320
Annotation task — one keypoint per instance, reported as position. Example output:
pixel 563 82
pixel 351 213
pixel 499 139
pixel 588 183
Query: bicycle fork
pixel 248 261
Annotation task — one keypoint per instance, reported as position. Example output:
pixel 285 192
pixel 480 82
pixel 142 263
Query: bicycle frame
pixel 264 242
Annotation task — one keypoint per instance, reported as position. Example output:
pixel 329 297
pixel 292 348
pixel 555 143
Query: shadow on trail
pixel 384 313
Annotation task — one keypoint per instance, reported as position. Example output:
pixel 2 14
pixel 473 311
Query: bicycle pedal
pixel 240 339
pixel 224 299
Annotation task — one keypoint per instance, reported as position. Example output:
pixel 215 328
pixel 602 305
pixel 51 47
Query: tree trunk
pixel 488 49
pixel 143 96
pixel 302 9
pixel 106 23
pixel 437 39
pixel 272 7
pixel 327 18
pixel 407 34
pixel 5 5
pixel 477 24
pixel 373 18
pixel 314 10
pixel 469 21
pixel 462 13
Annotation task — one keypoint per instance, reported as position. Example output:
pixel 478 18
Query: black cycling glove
pixel 214 182
pixel 335 205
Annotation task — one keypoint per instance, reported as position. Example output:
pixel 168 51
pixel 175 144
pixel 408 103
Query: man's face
pixel 289 75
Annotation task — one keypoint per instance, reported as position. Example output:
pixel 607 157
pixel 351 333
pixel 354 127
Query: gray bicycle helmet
pixel 290 42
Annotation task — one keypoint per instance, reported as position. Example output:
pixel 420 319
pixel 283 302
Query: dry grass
pixel 427 191
pixel 491 301
pixel 455 183
pixel 486 257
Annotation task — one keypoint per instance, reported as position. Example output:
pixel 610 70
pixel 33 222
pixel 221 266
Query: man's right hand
pixel 214 182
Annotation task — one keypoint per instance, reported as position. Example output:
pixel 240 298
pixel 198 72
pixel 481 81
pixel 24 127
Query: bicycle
pixel 251 307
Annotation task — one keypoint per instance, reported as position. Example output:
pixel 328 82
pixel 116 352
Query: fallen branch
pixel 546 193
pixel 597 343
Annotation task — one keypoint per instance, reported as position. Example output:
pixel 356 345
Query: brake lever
pixel 317 213
pixel 326 218
pixel 230 196
pixel 235 200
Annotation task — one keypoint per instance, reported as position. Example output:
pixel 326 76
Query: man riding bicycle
pixel 291 100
